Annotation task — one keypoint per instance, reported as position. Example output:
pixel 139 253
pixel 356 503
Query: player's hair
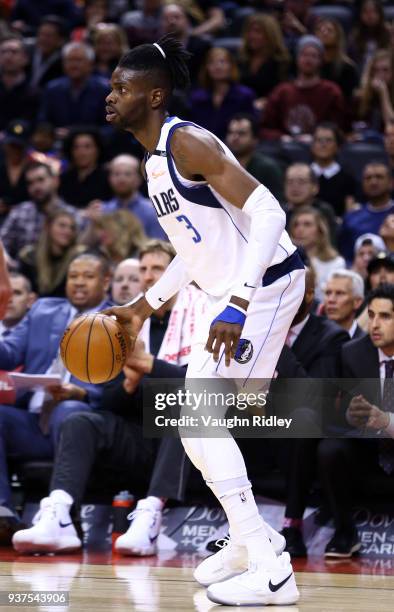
pixel 384 291
pixel 157 246
pixel 171 70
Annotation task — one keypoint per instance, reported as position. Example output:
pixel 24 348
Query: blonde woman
pixel 376 94
pixel 264 59
pixel 109 43
pixel 309 229
pixel 46 263
pixel 337 66
pixel 118 235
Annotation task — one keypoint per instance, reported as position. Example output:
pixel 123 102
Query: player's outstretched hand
pixel 131 317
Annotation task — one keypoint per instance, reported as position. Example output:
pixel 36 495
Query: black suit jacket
pixel 316 351
pixel 304 368
pixel 360 370
pixel 359 333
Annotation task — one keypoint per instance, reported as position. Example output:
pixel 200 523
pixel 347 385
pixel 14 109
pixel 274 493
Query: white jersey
pixel 208 232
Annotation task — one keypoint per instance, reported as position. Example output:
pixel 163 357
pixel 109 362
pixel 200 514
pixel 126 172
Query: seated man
pixel 312 351
pixel 30 429
pixel 352 465
pixel 126 281
pixel 115 435
pixel 22 299
pixel 343 296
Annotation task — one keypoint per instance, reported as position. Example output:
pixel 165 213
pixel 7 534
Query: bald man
pixel 126 281
pixel 125 180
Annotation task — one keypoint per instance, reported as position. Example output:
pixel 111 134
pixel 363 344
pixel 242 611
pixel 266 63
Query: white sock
pixel 156 502
pixel 246 524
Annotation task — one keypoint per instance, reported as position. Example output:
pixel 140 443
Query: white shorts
pixel 269 317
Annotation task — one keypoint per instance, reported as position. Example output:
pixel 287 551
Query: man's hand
pixel 140 360
pixel 68 391
pixel 359 412
pixel 132 380
pixel 378 419
pixel 131 317
pixel 5 285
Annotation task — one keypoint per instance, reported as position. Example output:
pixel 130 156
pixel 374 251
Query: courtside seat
pixel 354 156
pixel 343 14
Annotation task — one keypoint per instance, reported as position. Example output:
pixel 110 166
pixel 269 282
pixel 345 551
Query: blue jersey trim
pixel 198 194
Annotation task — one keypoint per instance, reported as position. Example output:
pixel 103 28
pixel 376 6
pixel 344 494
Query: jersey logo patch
pixel 244 351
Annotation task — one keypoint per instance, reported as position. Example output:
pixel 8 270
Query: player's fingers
pixel 217 344
pixel 234 344
pixel 228 343
pixel 211 338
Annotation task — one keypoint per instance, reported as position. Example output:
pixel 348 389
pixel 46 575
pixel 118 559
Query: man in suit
pixel 77 98
pixel 21 300
pixel 114 436
pixel 343 296
pixel 30 428
pixel 352 465
pixel 311 353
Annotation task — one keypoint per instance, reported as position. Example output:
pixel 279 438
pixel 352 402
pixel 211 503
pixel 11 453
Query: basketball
pixel 94 348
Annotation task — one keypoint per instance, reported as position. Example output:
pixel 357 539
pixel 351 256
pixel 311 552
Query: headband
pixel 160 49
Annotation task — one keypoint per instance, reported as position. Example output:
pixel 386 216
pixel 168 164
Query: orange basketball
pixel 94 348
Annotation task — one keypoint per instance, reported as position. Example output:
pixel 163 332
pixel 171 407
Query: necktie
pixel 386 446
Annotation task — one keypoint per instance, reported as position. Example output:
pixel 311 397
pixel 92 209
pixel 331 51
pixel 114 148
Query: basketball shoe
pixel 258 586
pixel 232 559
pixel 141 537
pixel 52 531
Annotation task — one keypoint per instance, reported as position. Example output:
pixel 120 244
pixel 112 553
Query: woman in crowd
pixel 220 95
pixel 46 262
pixel 370 33
pixel 118 235
pixel 109 43
pixel 376 94
pixel 86 179
pixel 337 66
pixel 264 58
pixel 309 230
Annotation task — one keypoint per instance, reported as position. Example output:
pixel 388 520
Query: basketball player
pixel 228 231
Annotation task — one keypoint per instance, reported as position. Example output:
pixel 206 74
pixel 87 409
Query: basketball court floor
pixel 105 582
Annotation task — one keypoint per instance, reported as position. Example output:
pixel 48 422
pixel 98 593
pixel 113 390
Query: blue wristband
pixel 230 315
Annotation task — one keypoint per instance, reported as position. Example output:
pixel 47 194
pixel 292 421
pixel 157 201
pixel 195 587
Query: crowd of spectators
pixel 302 93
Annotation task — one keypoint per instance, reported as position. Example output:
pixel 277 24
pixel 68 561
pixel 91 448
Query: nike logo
pixel 65 524
pixel 154 538
pixel 156 175
pixel 275 587
pixel 250 286
pixel 161 300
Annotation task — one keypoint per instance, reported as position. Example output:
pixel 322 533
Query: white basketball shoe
pixel 232 559
pixel 141 537
pixel 258 586
pixel 52 531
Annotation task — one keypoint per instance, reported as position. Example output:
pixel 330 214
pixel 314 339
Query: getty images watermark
pixel 210 413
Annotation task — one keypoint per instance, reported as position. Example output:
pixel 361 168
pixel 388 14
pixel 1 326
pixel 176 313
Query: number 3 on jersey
pixel 190 226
